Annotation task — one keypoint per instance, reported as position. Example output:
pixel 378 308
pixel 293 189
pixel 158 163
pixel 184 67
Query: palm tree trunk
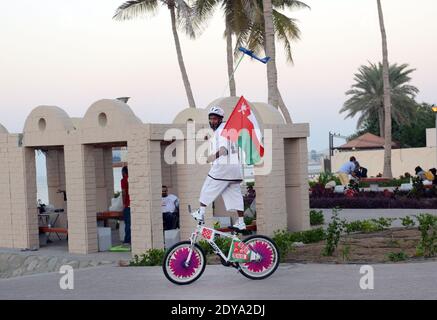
pixel 272 74
pixel 283 108
pixel 230 58
pixel 274 97
pixel 387 173
pixel 381 120
pixel 187 85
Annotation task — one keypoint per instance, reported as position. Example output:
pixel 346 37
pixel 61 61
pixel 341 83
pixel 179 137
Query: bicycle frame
pixel 209 235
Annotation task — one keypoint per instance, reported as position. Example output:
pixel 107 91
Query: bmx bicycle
pixel 256 257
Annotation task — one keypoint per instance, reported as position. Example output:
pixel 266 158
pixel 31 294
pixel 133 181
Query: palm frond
pixel 185 17
pixel 135 8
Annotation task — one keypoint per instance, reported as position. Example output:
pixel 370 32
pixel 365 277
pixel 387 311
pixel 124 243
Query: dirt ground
pixel 358 248
pixel 362 248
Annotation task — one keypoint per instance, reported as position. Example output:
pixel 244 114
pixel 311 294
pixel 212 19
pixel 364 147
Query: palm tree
pixel 180 13
pixel 387 173
pixel 367 95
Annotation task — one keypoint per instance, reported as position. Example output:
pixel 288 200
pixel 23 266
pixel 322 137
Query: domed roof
pixel 191 114
pixel 48 119
pixel 268 113
pixel 265 113
pixel 109 113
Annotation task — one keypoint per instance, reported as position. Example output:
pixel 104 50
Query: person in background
pixel 347 169
pixel 126 205
pixel 169 209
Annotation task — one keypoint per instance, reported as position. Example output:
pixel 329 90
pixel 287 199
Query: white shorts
pixel 229 190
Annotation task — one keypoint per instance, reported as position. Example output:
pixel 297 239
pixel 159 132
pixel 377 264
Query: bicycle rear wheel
pixel 269 258
pixel 174 266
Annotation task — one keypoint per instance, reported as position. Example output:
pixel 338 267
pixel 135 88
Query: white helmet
pixel 217 111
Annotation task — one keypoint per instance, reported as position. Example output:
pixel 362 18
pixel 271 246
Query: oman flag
pixel 243 128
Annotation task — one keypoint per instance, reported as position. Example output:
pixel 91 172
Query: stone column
pixel 24 213
pixel 296 183
pixel 145 191
pixel 6 234
pixel 81 191
pixel 109 175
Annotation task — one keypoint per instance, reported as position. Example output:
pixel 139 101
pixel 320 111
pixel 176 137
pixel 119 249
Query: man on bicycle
pixel 225 175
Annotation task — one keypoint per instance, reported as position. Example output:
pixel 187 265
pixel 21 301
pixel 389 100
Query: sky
pixel 71 54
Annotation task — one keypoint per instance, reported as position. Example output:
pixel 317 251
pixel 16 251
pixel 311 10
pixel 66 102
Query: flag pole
pixel 232 75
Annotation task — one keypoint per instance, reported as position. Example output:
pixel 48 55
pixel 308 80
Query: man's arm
pixel 222 151
pixel 123 196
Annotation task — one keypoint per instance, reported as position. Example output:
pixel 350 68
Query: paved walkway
pixel 291 281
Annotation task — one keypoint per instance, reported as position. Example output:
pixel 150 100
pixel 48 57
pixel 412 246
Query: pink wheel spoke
pixel 266 253
pixel 177 263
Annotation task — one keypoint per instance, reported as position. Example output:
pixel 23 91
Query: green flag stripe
pixel 246 144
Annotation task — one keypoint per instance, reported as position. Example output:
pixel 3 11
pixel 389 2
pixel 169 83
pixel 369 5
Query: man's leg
pixel 211 189
pixel 127 228
pixel 344 178
pixel 233 200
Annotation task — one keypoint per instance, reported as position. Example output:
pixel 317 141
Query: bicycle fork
pixel 193 240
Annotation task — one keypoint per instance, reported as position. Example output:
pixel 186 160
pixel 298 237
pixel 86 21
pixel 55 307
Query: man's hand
pixel 211 158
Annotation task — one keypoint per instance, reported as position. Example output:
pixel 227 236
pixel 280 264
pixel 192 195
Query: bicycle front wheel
pixel 174 265
pixel 269 258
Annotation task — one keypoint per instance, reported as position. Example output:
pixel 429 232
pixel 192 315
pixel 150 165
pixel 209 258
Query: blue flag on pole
pixel 252 55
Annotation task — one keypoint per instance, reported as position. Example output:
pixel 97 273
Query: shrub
pixel 207 249
pixel 383 223
pixel 428 231
pixel 371 225
pixel 311 236
pixel 153 257
pixel 224 244
pixel 397 256
pixel 284 243
pixel 316 217
pixel 325 177
pixel 335 228
pixel 248 220
pixel 345 252
pixel 408 222
pixel 284 239
pixel 354 226
pixel 391 183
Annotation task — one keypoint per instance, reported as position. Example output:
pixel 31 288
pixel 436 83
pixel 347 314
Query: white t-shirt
pixel 169 203
pixel 226 167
